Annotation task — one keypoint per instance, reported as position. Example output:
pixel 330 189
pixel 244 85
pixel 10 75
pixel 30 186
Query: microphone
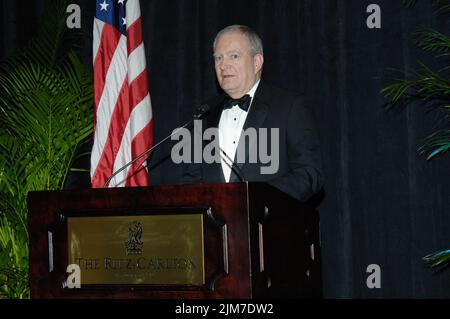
pixel 200 113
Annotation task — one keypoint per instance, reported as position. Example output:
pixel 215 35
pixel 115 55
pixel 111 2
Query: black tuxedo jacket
pixel 300 170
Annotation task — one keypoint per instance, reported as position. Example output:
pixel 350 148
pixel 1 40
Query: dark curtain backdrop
pixel 384 203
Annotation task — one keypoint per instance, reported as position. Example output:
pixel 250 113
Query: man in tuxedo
pixel 283 122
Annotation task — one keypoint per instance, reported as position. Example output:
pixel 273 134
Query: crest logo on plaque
pixel 134 244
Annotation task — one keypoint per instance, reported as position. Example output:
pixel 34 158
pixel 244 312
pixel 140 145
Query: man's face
pixel 237 70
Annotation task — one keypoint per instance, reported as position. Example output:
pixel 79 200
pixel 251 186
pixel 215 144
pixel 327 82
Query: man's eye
pixel 217 58
pixel 234 56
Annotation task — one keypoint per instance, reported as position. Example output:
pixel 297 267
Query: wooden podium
pixel 252 241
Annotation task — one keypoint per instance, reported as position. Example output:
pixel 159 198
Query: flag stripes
pixel 123 115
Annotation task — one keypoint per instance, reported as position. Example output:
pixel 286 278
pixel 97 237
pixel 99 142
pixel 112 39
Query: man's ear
pixel 258 61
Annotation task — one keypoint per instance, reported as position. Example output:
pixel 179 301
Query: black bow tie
pixel 243 103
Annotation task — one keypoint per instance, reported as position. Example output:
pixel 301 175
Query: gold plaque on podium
pixel 132 250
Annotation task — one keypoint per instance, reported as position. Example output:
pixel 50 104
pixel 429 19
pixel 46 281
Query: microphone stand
pixel 231 165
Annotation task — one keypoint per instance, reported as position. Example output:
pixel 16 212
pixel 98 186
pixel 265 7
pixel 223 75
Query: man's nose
pixel 224 64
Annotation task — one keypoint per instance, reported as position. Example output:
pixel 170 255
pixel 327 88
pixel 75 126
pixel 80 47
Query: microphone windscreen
pixel 201 111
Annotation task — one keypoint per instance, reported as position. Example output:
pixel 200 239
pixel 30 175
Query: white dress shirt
pixel 230 127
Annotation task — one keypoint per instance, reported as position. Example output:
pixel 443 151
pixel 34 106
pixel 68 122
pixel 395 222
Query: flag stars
pixel 120 2
pixel 124 21
pixel 104 6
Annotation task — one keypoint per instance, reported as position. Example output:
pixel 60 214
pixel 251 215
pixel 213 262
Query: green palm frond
pixel 438 260
pixel 436 144
pixel 45 113
pixel 399 90
pixel 410 3
pixel 423 84
pixel 16 244
pixel 443 6
pixel 19 164
pixel 55 117
pixel 13 262
pixel 49 45
pixel 433 41
pixel 14 283
pixel 428 87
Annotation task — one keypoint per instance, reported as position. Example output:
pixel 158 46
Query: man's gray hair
pixel 253 38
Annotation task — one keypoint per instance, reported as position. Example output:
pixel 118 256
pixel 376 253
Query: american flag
pixel 123 125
